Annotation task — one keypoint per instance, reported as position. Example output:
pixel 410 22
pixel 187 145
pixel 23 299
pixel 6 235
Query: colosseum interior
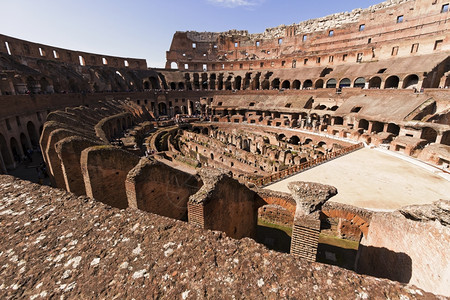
pixel 307 161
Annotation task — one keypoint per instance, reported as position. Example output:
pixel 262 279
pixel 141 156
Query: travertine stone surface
pixel 55 245
pixel 310 196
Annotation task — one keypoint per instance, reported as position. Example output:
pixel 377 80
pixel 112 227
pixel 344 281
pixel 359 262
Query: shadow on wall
pixel 384 263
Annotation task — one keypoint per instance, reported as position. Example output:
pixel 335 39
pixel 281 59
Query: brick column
pixel 309 197
pixel 305 237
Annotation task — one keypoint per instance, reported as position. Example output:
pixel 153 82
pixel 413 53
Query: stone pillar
pixel 309 197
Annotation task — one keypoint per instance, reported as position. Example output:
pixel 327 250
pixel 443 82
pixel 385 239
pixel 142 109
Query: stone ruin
pixel 158 175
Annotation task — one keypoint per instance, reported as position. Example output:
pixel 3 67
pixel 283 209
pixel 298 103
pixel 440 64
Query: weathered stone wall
pixel 26 49
pixel 411 246
pixel 226 205
pixel 157 188
pixel 57 245
pixel 105 169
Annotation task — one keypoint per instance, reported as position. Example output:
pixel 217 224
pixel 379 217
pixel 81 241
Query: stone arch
pixel 411 82
pixel 45 85
pixel 364 124
pixel 196 81
pixel 377 126
pixel 296 84
pixel 281 137
pixel 275 84
pixel 265 85
pixel 338 121
pixel 32 134
pixel 322 144
pixel 331 83
pixel 375 82
pixel 393 128
pixel 162 108
pixel 445 140
pixel 237 82
pixel 359 82
pixel 391 82
pixel 345 83
pixel 429 134
pixel 307 84
pixel 15 149
pixel 5 153
pixel 181 85
pixel 360 221
pixel 295 140
pixel 318 84
pixel 173 86
pixel 154 83
pixel 24 142
pixel 204 81
pixel 286 84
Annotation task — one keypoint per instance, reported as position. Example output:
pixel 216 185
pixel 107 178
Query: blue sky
pixel 144 28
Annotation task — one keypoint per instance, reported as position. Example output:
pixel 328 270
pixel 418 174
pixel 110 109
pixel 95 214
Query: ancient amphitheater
pixel 307 161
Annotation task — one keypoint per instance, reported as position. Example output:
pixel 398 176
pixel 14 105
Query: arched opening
pixel 331 83
pixel 281 137
pixel 364 124
pixel 294 140
pixel 325 72
pixel 276 84
pixel 377 127
pixel 318 84
pixel 322 144
pixel 360 82
pixel 212 81
pixel 15 150
pixel 162 109
pixel 146 85
pixel 411 82
pixel 237 82
pixel 45 85
pixel 196 81
pixel 181 85
pixel 205 131
pixel 286 84
pixel 429 134
pixel 154 84
pixel 345 83
pixel 392 82
pixel 307 141
pixel 265 85
pixel 228 86
pixel 296 84
pixel 24 142
pixel 393 128
pixel 173 65
pixel 307 84
pixel 446 138
pixel 34 138
pixel 338 121
pixel 173 86
pixel 7 159
pixel 204 81
pixel 375 82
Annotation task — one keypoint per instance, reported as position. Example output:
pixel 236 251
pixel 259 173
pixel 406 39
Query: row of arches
pixel 14 148
pixel 213 81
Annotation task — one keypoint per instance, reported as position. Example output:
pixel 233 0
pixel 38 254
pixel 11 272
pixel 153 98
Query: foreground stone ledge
pixel 54 244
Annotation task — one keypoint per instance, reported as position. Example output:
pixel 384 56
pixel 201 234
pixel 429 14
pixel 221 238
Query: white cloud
pixel 235 3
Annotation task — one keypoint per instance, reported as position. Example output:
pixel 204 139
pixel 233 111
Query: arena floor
pixel 375 180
